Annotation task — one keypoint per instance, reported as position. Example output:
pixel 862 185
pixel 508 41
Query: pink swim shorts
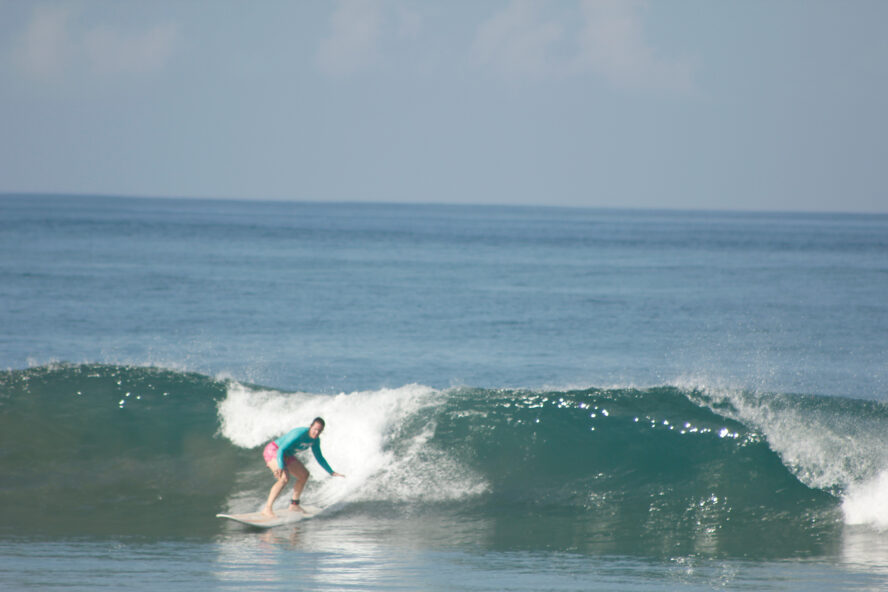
pixel 271 451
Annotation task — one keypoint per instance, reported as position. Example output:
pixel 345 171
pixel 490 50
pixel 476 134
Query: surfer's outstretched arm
pixel 316 450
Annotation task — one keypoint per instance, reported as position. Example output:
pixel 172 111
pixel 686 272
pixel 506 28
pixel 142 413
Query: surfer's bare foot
pixel 268 512
pixel 295 507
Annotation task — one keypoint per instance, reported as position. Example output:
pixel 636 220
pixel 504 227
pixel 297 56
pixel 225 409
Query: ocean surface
pixel 521 398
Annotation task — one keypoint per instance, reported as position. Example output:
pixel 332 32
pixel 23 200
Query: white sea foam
pixel 365 439
pixel 825 447
pixel 864 502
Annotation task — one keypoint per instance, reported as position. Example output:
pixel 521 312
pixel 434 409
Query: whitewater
pixel 521 398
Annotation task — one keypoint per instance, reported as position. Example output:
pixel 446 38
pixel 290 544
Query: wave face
pixel 88 449
pixel 109 449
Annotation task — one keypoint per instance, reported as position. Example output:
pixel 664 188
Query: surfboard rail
pixel 260 520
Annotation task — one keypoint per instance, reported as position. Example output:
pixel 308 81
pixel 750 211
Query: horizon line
pixel 270 200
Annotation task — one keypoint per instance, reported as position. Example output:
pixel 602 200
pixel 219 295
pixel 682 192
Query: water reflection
pixel 341 552
pixel 364 550
pixel 866 550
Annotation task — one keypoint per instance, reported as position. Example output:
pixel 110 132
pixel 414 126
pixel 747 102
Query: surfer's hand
pixel 279 474
pixel 335 474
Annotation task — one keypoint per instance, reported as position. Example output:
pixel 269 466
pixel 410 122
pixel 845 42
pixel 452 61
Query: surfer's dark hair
pixel 319 420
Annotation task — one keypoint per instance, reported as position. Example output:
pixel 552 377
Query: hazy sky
pixel 771 105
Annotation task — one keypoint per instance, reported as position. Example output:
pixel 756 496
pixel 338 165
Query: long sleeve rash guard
pixel 298 440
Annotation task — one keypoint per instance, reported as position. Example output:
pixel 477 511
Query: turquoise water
pixel 522 398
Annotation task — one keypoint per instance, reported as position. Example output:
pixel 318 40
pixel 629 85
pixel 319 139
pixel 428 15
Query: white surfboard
pixel 260 520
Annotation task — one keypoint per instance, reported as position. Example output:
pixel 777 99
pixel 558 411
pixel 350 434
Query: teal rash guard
pixel 298 440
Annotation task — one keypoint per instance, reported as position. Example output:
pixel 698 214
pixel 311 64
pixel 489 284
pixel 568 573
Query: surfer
pixel 278 455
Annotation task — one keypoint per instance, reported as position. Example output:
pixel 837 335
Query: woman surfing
pixel 279 456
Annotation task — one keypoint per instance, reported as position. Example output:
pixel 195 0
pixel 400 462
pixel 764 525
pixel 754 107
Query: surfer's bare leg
pixel 276 489
pixel 300 476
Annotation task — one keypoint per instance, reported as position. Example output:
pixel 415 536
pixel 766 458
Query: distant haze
pixel 752 105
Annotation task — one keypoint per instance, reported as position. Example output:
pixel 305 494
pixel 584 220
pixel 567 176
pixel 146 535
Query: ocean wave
pixel 144 449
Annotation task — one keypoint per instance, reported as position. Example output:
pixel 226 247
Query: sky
pixel 776 105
